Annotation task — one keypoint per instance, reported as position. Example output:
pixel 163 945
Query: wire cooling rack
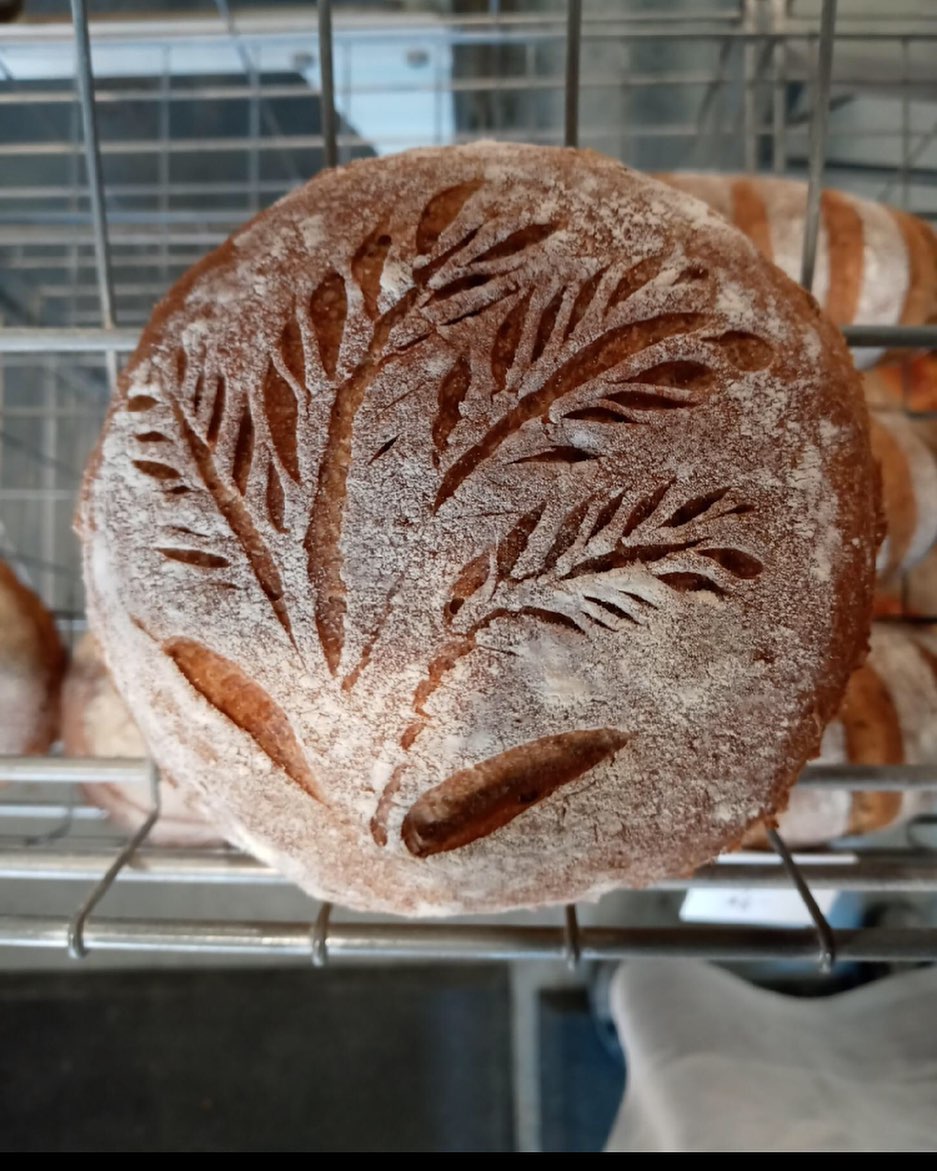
pixel 129 148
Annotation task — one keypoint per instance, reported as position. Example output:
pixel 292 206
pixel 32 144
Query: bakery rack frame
pixel 81 347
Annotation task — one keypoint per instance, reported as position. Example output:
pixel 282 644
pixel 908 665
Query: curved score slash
pixel 476 801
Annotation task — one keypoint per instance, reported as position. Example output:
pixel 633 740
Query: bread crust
pixel 888 717
pixel 484 527
pixel 875 265
pixel 32 661
pixel 96 722
pixel 909 493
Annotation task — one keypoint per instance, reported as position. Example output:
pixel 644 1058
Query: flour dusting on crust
pixel 476 532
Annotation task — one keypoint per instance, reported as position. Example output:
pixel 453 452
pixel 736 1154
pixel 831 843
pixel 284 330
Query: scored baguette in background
pixel 875 265
pixel 32 661
pixel 97 722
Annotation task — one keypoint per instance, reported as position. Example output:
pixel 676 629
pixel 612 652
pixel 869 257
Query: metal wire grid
pixel 71 276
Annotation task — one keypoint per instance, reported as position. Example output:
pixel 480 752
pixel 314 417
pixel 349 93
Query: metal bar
pixel 67 341
pixel 77 947
pixel 869 872
pixel 29 494
pixel 327 82
pixel 163 161
pixel 824 933
pixel 253 133
pixel 708 112
pixel 211 867
pixel 85 83
pixel 122 235
pixel 892 336
pixel 50 810
pixel 479 83
pixel 779 107
pixel 750 12
pixel 128 770
pixel 239 144
pixel 865 872
pixel 77 770
pixel 571 83
pixel 572 936
pixel 819 124
pixel 923 142
pixel 905 170
pixel 39 457
pixel 319 952
pixel 260 111
pixel 870 778
pixel 465 28
pixel 469 943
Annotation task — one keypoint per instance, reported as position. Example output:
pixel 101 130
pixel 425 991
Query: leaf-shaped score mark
pixel 328 309
pixel 155 470
pixel 735 561
pixel 141 402
pixel 367 267
pixel 593 572
pixel 507 339
pixel 239 699
pixel 449 399
pixel 475 802
pixel 279 398
pixel 546 325
pixel 282 420
pixel 243 451
pixel 440 212
pixel 275 500
pixel 607 566
pixel 586 365
pixel 221 467
pixel 196 557
pixel 588 376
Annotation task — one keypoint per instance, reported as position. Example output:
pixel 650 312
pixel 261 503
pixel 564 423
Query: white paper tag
pixel 781 906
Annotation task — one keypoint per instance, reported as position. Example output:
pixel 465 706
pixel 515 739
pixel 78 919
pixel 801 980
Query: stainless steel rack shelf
pixel 83 261
pixel 464 943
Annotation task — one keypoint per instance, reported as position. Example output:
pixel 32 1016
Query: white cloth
pixel 715 1064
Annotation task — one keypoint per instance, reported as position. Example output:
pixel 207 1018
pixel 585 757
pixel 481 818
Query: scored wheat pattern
pixel 607 567
pixel 583 353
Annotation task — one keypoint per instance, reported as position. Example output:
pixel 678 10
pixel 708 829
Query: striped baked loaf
pixel 97 722
pixel 911 384
pixel 484 527
pixel 888 717
pixel 909 493
pixel 32 660
pixel 875 265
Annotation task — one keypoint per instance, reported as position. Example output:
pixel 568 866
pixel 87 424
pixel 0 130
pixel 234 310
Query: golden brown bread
pixel 484 527
pixel 888 717
pixel 96 722
pixel 909 493
pixel 875 265
pixel 32 660
pixel 910 383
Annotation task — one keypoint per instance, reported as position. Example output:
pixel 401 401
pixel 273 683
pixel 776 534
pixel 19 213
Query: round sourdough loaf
pixel 97 722
pixel 32 660
pixel 484 527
